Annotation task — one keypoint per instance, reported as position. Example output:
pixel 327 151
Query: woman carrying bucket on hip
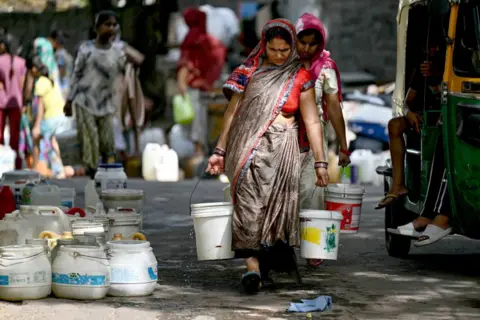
pixel 269 94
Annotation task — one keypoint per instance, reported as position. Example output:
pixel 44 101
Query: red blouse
pixel 303 82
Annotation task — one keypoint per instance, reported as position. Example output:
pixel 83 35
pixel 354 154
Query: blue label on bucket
pixel 153 275
pixel 4 280
pixel 78 279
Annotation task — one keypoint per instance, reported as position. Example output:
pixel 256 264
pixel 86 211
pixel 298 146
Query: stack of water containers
pixel 45 250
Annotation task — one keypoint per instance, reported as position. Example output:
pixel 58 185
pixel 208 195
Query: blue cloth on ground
pixel 320 303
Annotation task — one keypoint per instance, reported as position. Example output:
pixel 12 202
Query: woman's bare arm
pixel 308 109
pixel 227 119
pixel 335 115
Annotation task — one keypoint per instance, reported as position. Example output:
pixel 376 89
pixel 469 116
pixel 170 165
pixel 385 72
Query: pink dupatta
pixel 322 59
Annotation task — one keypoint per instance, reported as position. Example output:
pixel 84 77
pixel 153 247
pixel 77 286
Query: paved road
pixel 438 282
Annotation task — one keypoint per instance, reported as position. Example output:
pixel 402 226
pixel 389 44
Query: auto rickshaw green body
pixel 460 117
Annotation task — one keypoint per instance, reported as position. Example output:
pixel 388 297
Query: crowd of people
pixel 42 91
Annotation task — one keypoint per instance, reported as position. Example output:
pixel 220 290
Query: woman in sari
pixel 311 44
pixel 200 65
pixel 259 151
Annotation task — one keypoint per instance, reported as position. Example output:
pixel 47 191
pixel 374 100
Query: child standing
pixel 48 120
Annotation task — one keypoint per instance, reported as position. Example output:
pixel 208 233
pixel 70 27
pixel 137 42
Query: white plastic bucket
pixel 213 230
pixel 346 199
pixel 227 196
pixel 81 273
pixel 123 199
pixel 319 234
pixel 68 197
pixel 25 273
pixel 133 268
pixel 125 224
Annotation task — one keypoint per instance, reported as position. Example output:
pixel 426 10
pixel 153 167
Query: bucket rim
pixel 345 188
pixel 128 244
pixel 210 204
pixel 321 214
pixel 17 248
pixel 124 216
pixel 123 194
pixel 81 223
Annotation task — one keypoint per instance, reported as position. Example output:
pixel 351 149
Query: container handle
pixel 5 257
pixel 74 211
pixel 193 191
pixel 311 197
pixel 76 254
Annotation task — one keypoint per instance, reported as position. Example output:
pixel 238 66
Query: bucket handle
pixel 195 188
pixel 76 254
pixel 4 257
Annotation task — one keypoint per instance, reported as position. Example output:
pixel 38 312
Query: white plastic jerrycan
pixel 46 195
pixel 150 157
pixel 167 169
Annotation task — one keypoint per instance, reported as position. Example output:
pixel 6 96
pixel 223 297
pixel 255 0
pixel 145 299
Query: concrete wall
pixel 362 35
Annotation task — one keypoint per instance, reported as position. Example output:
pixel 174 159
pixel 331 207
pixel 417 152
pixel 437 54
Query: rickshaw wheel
pixel 396 215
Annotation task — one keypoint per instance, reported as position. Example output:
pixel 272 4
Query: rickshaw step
pixel 384 171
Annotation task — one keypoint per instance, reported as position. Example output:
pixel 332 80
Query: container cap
pixel 110 166
pixel 345 189
pixel 321 214
pixel 122 194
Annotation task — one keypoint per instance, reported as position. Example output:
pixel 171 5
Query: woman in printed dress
pixel 323 69
pixel 259 151
pixel 97 67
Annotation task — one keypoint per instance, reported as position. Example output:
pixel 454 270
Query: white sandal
pixel 407 230
pixel 433 234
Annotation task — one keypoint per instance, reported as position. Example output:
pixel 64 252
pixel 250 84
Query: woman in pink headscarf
pixel 311 43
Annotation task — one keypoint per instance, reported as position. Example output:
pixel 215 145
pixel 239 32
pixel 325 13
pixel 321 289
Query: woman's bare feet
pixel 421 223
pixel 394 193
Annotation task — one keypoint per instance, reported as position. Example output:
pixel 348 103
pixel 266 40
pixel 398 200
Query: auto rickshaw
pixel 459 110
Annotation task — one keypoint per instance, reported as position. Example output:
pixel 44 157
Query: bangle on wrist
pixel 345 151
pixel 220 152
pixel 321 164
